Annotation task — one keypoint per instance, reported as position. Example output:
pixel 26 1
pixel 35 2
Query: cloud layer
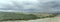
pixel 30 5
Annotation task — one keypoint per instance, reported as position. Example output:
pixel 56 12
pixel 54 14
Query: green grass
pixel 16 16
pixel 5 16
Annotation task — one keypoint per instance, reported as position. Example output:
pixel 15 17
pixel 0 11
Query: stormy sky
pixel 30 5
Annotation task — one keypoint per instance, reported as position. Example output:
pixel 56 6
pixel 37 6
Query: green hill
pixel 16 16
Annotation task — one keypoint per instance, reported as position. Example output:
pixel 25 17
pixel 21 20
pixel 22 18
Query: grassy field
pixel 53 19
pixel 9 16
pixel 16 16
